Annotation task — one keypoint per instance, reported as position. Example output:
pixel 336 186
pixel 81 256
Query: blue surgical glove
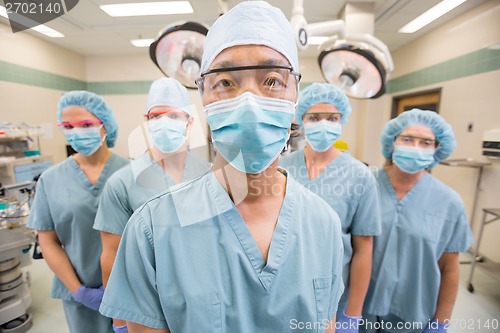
pixel 90 297
pixel 347 324
pixel 120 329
pixel 435 327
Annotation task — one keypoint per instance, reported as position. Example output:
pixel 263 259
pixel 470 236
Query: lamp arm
pixel 335 27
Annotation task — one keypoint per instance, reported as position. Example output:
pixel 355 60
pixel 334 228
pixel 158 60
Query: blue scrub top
pixel 210 276
pixel 349 187
pixel 416 230
pixel 66 201
pixel 133 185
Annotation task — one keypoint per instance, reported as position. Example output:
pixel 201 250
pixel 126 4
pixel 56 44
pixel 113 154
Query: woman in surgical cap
pixel 65 205
pixel 243 248
pixel 414 280
pixel 345 183
pixel 167 163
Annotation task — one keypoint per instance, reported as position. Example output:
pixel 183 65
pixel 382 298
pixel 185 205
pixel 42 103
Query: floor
pixel 472 313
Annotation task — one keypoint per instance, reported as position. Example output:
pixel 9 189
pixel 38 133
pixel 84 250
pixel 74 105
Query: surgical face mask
pixel 322 134
pixel 85 141
pixel 250 131
pixel 412 159
pixel 168 134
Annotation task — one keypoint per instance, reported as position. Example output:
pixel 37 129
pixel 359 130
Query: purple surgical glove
pixel 435 327
pixel 120 329
pixel 90 297
pixel 347 324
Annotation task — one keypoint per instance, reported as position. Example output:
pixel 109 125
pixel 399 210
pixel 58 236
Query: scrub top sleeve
pixel 40 217
pixel 337 283
pixel 131 292
pixel 114 208
pixel 461 238
pixel 366 219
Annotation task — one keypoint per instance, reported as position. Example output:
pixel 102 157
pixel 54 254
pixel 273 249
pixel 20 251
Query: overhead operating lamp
pixel 357 62
pixel 177 51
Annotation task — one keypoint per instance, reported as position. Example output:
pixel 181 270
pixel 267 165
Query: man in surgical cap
pixel 167 163
pixel 244 248
pixel 65 204
pixel 414 280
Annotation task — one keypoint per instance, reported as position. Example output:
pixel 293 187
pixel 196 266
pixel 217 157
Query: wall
pixel 457 58
pixel 33 74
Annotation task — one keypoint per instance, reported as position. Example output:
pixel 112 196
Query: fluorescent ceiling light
pixel 41 28
pixel 435 12
pixel 3 12
pixel 49 32
pixel 142 42
pixel 316 40
pixel 148 8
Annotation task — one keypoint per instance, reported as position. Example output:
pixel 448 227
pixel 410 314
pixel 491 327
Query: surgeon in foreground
pixel 243 248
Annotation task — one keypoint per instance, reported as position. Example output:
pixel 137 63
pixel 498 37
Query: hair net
pixel 94 104
pixel 251 22
pixel 318 93
pixel 442 130
pixel 168 92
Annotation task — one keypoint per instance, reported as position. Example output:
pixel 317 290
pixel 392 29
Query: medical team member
pixel 65 205
pixel 244 248
pixel 345 183
pixel 165 164
pixel 424 227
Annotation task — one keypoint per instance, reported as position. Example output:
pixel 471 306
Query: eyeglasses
pixel 174 115
pixel 318 116
pixel 409 140
pixel 79 124
pixel 265 80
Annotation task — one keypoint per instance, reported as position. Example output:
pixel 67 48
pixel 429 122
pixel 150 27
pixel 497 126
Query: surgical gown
pixel 416 230
pixel 66 202
pixel 187 261
pixel 348 186
pixel 133 185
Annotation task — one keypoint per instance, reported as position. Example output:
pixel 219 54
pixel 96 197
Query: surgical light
pixel 358 62
pixel 358 65
pixel 178 50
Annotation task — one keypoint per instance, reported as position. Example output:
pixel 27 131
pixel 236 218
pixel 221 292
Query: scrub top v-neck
pixel 187 261
pixel 66 202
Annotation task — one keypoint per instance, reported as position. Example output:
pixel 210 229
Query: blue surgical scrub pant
pixel 84 320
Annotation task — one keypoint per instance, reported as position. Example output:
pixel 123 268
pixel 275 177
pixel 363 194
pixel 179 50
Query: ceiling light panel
pixel 430 15
pixel 148 8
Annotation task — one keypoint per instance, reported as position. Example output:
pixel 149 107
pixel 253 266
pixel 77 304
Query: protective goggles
pixel 79 124
pixel 410 140
pixel 265 80
pixel 174 115
pixel 334 117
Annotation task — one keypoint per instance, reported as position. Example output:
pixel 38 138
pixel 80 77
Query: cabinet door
pixel 27 172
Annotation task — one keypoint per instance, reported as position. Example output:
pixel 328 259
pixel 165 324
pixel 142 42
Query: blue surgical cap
pixel 94 104
pixel 251 23
pixel 168 92
pixel 318 93
pixel 442 130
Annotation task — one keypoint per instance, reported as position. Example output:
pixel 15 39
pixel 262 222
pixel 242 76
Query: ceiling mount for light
pixel 358 62
pixel 178 50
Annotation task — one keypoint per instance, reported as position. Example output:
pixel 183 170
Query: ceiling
pixel 91 32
